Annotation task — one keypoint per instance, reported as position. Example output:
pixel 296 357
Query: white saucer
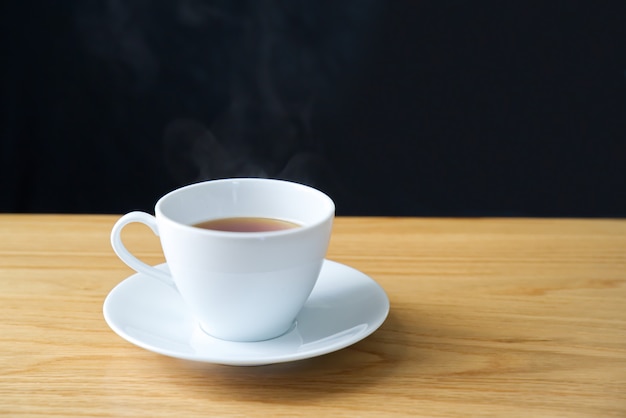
pixel 344 307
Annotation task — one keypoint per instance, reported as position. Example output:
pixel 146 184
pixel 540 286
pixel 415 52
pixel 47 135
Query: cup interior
pixel 246 197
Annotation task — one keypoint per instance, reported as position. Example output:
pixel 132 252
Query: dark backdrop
pixel 452 108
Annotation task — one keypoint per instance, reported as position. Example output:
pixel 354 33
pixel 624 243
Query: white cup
pixel 241 286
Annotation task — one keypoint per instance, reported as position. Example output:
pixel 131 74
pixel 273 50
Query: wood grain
pixel 489 317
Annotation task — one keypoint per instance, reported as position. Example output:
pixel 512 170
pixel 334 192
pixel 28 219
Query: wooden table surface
pixel 489 317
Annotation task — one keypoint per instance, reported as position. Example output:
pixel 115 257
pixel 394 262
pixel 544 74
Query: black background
pixel 418 108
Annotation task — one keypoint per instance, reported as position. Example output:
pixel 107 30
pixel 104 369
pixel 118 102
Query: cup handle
pixel 125 255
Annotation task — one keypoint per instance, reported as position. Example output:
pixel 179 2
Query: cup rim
pixel 232 234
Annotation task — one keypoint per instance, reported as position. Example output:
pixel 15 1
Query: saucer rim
pixel 377 319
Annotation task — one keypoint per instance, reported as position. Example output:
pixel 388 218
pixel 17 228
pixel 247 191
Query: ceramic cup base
pixel 289 329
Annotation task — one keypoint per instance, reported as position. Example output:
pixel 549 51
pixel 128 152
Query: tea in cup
pixel 243 253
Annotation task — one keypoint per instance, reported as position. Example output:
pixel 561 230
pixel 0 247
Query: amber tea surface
pixel 247 224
